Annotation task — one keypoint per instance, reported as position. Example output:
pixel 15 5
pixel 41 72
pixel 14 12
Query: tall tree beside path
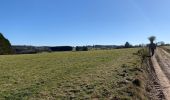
pixel 152 45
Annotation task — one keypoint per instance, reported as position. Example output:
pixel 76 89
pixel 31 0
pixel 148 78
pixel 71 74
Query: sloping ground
pixel 105 75
pixel 161 64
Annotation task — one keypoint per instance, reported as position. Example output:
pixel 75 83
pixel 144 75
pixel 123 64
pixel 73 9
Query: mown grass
pixel 98 74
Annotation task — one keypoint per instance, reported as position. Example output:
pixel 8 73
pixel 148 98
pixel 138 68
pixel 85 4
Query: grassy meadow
pixel 100 74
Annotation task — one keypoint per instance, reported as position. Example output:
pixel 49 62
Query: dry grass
pixel 70 75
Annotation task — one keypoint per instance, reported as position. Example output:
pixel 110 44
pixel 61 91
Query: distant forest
pixel 37 49
pixel 7 48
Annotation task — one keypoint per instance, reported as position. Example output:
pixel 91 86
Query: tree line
pixel 7 48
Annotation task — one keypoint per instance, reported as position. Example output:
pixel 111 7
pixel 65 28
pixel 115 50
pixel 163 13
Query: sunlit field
pixel 101 74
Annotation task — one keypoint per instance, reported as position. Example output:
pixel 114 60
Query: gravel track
pixel 161 64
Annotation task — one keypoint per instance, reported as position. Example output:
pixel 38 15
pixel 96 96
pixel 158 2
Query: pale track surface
pixel 161 64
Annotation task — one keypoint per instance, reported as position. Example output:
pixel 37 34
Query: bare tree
pixel 152 38
pixel 152 45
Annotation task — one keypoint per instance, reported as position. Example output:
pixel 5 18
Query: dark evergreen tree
pixel 128 45
pixel 77 48
pixel 84 48
pixel 5 45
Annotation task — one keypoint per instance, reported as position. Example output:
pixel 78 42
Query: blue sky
pixel 84 22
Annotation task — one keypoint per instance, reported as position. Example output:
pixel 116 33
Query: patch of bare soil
pixel 153 87
pixel 161 66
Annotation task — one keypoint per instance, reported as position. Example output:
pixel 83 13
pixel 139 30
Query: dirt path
pixel 161 64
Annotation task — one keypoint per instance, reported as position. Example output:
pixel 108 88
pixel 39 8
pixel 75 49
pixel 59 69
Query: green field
pixel 69 75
